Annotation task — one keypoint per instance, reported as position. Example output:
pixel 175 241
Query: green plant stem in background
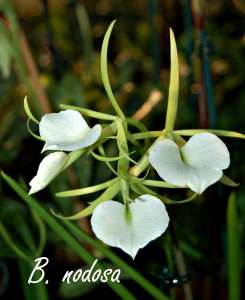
pixel 8 240
pixel 80 250
pixel 36 291
pixel 86 34
pixel 63 234
pixel 234 254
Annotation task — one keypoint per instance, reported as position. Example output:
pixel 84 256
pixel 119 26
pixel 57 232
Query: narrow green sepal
pixel 28 111
pixel 228 181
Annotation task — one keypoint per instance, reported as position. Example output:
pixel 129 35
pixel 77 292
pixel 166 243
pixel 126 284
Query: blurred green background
pixel 50 50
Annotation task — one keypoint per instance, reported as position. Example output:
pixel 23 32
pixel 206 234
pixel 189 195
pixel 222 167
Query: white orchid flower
pixel 48 169
pixel 148 220
pixel 67 131
pixel 197 165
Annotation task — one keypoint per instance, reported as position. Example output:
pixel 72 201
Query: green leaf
pixel 104 71
pixel 234 253
pixel 36 291
pixel 42 233
pixel 76 289
pixel 173 93
pixel 28 111
pixel 7 49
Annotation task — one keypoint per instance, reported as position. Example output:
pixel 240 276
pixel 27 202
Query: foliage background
pixel 50 50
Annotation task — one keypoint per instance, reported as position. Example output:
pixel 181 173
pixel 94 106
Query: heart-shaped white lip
pixel 148 220
pixel 48 169
pixel 197 165
pixel 67 131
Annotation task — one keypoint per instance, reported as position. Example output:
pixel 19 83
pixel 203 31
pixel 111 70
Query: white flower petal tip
pixel 67 131
pixel 48 169
pixel 148 220
pixel 197 165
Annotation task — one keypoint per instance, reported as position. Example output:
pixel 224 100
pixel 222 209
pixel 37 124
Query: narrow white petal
pixel 149 219
pixel 48 169
pixel 67 131
pixel 165 158
pixel 206 150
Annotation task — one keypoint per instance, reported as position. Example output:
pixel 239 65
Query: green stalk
pixel 8 240
pixel 36 291
pixel 234 254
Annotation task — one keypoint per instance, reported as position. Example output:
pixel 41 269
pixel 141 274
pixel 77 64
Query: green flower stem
pixel 65 235
pixel 141 166
pixel 137 277
pixel 104 71
pixel 123 163
pixel 87 190
pixel 146 134
pixel 144 161
pixel 102 152
pixel 90 113
pixel 173 94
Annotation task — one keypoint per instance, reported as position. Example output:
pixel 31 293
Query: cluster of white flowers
pixel 197 165
pixel 63 131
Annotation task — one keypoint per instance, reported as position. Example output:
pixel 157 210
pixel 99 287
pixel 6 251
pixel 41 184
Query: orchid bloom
pixel 64 131
pixel 197 165
pixel 148 220
pixel 48 169
pixel 67 131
